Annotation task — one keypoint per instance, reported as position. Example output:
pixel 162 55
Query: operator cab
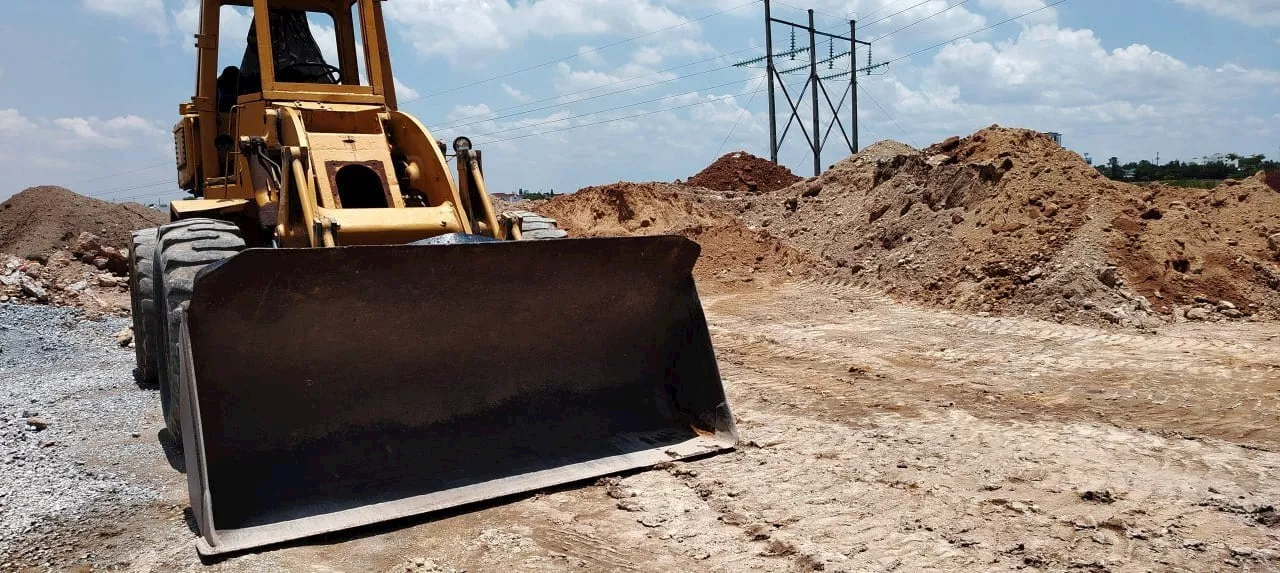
pixel 297 58
pixel 307 47
pixel 253 54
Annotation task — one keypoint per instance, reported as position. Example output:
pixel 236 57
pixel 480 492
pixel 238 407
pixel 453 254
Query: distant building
pixel 506 196
pixel 1088 160
pixel 1055 136
pixel 1130 173
pixel 1215 158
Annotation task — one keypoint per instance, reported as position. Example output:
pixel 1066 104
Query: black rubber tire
pixel 142 300
pixel 182 250
pixel 534 227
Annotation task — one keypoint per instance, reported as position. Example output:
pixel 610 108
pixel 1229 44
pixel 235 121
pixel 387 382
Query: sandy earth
pixel 876 437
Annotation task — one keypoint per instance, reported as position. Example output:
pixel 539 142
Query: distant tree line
pixel 535 195
pixel 1178 170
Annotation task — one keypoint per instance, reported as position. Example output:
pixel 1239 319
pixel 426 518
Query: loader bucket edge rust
pixel 325 389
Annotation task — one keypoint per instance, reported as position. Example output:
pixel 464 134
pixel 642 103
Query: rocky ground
pixel 90 276
pixel 876 437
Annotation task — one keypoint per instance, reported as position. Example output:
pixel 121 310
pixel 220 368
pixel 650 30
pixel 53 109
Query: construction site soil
pixel 1006 221
pixel 40 220
pixel 731 252
pixel 743 172
pixel 896 341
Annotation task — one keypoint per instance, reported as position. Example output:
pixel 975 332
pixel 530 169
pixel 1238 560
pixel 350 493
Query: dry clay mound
pixel 42 219
pixel 743 172
pixel 1176 245
pixel 730 251
pixel 1006 220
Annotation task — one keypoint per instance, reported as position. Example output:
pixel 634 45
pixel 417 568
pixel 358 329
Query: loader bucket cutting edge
pixel 331 388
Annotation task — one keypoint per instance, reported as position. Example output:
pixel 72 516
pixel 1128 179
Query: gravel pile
pixel 57 412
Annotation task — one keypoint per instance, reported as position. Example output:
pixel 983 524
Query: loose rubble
pixel 63 279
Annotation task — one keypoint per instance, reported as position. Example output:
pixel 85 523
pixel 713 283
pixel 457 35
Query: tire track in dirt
pixel 1222 380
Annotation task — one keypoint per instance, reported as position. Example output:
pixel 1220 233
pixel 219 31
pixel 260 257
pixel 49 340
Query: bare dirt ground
pixel 875 437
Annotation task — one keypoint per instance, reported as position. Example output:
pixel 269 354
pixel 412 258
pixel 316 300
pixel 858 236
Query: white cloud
pixel 234 24
pixel 11 121
pixel 40 151
pixel 920 22
pixel 1016 8
pixel 516 94
pixel 472 33
pixel 146 14
pixel 1252 12
pixel 590 55
pixel 404 92
pixel 1120 101
pixel 115 133
pixel 187 20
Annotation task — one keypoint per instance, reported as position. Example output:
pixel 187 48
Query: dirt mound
pixel 625 208
pixel 1006 220
pixel 40 220
pixel 743 172
pixel 731 252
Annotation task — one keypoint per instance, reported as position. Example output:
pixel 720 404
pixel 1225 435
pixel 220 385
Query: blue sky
pixel 89 89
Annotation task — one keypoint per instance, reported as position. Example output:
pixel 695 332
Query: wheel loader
pixel 344 330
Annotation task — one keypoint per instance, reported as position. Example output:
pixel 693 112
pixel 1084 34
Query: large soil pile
pixel 40 220
pixel 743 172
pixel 730 251
pixel 1006 220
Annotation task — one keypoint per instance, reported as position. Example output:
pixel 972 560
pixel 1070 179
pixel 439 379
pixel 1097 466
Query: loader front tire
pixel 182 250
pixel 142 300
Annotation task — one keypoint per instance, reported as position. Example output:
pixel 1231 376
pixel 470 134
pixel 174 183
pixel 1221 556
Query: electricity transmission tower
pixel 815 85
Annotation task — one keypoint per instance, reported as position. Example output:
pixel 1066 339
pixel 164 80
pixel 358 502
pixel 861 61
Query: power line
pixel 880 9
pixel 759 86
pixel 580 54
pixel 624 118
pixel 831 16
pixel 913 6
pixel 147 195
pixel 947 9
pixel 103 194
pixel 615 108
pixel 1000 23
pixel 489 116
pixel 886 114
pixel 126 172
pixel 602 122
pixel 673 26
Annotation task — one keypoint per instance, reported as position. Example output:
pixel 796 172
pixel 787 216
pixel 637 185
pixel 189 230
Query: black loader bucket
pixel 324 389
